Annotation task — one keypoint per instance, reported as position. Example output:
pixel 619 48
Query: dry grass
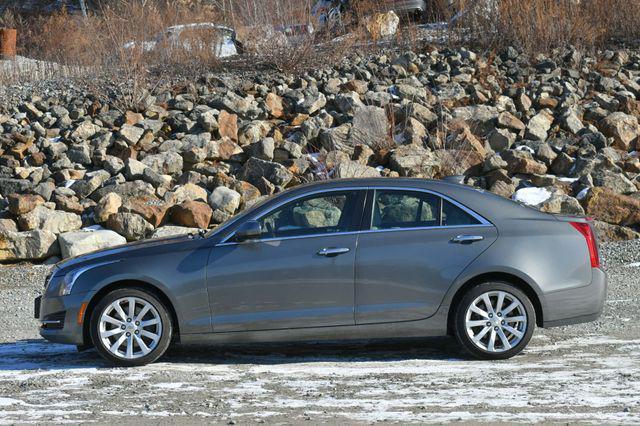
pixel 536 26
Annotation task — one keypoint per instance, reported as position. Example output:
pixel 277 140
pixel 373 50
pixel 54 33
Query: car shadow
pixel 38 354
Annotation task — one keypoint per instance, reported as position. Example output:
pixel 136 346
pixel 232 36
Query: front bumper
pixel 577 305
pixel 59 318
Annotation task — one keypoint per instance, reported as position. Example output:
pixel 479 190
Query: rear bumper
pixel 578 305
pixel 59 318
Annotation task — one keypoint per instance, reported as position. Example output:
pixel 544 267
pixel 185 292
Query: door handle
pixel 333 252
pixel 467 239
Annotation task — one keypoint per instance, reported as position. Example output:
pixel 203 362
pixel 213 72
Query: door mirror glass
pixel 249 230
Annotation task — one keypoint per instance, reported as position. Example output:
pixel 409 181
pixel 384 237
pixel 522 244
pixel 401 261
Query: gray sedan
pixel 344 259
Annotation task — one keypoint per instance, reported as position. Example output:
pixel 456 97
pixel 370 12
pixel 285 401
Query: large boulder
pixel 186 192
pixel 108 205
pixel 31 245
pixel 54 221
pixel 166 163
pixel 152 209
pixel 522 161
pixel 192 214
pixel 225 199
pixel 74 244
pixel 623 128
pixel 255 169
pixel 539 126
pixel 353 169
pixel 22 204
pixel 607 206
pixel 130 225
pixel 414 161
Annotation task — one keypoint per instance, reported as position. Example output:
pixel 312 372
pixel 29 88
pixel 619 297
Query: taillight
pixel 588 235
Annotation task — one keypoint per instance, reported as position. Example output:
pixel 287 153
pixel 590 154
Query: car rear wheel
pixel 131 327
pixel 494 320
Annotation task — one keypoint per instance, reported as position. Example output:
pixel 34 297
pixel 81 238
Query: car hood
pixel 117 252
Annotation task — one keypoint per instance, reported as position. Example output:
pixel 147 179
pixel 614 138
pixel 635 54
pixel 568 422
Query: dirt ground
pixel 585 373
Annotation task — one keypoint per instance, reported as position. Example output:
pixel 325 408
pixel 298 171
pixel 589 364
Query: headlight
pixel 69 280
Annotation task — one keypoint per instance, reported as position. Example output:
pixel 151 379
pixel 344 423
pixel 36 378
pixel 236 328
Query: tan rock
pixel 273 103
pixel 607 206
pixel 228 125
pixel 108 205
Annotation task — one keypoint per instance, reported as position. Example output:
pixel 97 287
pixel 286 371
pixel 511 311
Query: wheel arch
pixel 129 284
pixel 514 280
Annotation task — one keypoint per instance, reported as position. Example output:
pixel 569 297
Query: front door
pixel 409 257
pixel 299 273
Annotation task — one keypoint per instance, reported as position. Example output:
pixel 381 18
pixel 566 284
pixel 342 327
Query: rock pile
pixel 561 133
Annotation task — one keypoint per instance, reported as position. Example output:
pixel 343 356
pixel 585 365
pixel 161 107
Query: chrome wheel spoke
pixel 110 333
pixel 515 319
pixel 119 310
pixel 492 341
pixel 150 335
pixel 501 296
pixel 510 308
pixel 145 324
pixel 503 338
pixel 143 346
pixel 114 348
pixel 487 303
pixel 111 320
pixel 479 311
pixel 129 353
pixel 476 323
pixel 132 308
pixel 513 331
pixel 480 335
pixel 142 313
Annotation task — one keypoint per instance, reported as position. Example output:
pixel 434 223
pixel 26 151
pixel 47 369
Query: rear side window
pixel 453 215
pixel 405 209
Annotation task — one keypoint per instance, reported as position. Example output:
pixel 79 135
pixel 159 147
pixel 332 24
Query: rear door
pixel 416 244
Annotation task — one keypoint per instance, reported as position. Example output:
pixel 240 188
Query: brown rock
pixel 509 121
pixel 464 140
pixel 69 204
pixel 522 162
pixel 608 206
pixel 608 232
pixel 273 103
pixel 228 125
pixel 132 118
pixel 193 214
pixel 21 204
pixel 37 159
pixel 228 148
pixel 152 209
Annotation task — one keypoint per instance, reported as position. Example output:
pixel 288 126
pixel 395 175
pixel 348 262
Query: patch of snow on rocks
pixel 532 196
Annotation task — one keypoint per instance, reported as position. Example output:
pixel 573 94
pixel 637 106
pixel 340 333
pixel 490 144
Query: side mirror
pixel 249 230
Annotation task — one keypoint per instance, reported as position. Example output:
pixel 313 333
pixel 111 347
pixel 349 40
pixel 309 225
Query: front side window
pixel 316 214
pixel 405 209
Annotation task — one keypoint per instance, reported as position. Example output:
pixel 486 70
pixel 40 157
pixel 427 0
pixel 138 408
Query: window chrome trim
pixel 483 222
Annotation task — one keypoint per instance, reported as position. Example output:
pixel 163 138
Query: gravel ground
pixel 585 373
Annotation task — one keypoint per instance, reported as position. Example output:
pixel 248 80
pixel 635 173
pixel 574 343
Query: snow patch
pixel 582 194
pixel 532 196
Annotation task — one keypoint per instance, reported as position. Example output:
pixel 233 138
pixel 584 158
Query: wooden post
pixel 8 37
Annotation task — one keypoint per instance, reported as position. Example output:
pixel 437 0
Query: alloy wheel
pixel 496 321
pixel 130 327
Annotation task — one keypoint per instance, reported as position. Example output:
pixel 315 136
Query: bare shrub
pixel 541 25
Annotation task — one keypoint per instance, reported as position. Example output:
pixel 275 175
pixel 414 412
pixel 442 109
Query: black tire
pixel 459 320
pixel 165 322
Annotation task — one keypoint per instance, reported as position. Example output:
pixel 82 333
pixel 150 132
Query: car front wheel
pixel 494 321
pixel 131 327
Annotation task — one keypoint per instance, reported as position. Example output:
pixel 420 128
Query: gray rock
pixel 538 126
pixel 414 161
pixel 31 245
pixel 254 170
pixel 74 244
pixel 131 134
pixel 225 199
pixel 44 219
pixel 168 163
pixel 130 225
pixel 134 169
pixel 501 139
